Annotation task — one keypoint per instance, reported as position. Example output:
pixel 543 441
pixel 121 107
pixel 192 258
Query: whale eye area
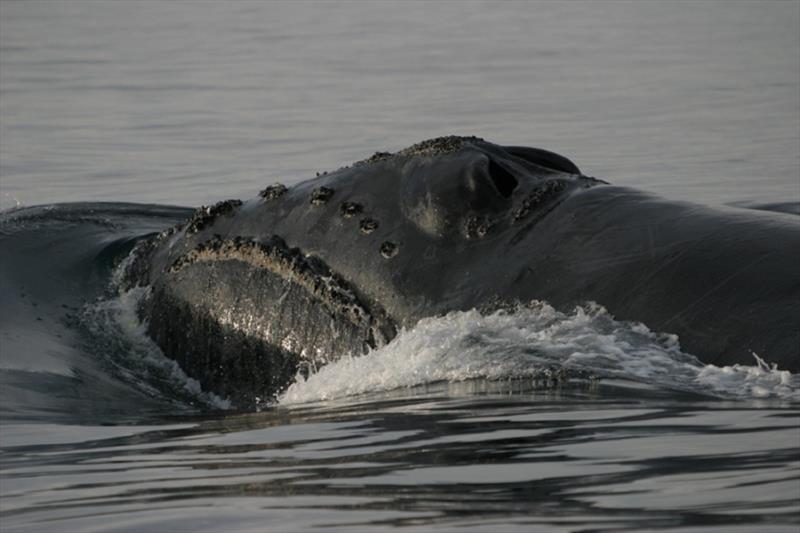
pixel 503 181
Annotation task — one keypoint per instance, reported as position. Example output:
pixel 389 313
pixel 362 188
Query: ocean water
pixel 536 420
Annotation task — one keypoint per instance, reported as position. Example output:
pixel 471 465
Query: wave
pixel 537 343
pixel 534 343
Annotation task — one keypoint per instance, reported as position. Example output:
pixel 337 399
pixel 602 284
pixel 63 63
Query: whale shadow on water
pixel 244 294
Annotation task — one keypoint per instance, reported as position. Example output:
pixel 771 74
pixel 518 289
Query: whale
pixel 246 294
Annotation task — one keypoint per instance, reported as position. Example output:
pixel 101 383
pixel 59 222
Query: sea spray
pixel 532 342
pixel 116 332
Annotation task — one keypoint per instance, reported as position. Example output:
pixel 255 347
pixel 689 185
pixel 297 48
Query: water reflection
pixel 551 460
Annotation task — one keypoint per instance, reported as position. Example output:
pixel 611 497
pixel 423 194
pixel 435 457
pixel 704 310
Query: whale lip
pixel 281 307
pixel 311 273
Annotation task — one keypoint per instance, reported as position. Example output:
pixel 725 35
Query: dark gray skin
pixel 453 224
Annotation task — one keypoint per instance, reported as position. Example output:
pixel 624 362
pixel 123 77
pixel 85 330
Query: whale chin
pixel 278 306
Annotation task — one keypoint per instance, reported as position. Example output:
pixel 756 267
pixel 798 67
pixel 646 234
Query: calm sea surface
pixel 186 103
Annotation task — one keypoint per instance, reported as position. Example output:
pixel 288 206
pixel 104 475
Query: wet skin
pixel 245 293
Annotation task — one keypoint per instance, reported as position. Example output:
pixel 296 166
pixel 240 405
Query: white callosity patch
pixel 527 342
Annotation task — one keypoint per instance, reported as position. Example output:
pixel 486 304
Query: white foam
pixel 759 381
pixel 9 202
pixel 134 354
pixel 509 345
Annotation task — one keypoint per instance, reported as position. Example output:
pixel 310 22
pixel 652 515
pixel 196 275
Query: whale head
pixel 246 293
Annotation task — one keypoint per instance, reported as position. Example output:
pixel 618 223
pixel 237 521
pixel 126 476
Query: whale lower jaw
pixel 286 311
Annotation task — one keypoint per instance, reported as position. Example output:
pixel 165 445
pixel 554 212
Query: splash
pixel 120 336
pixel 9 203
pixel 531 342
pixel 759 381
